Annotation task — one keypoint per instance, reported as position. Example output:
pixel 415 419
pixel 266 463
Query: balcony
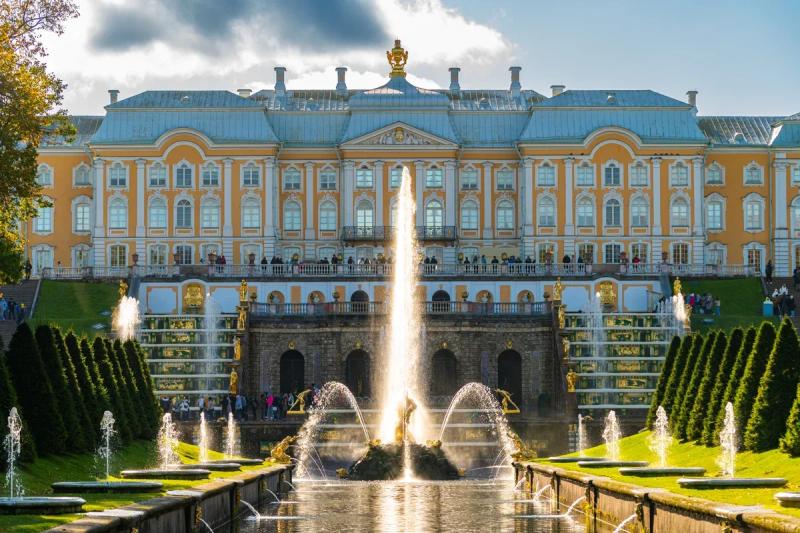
pixel 475 309
pixel 383 234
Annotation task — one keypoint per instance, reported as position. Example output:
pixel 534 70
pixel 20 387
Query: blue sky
pixel 743 57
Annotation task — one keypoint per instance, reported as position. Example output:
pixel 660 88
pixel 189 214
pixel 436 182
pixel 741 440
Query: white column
pixel 379 186
pixel 450 196
pixel 140 209
pixel 698 233
pixel 347 192
pixel 268 211
pixel 227 210
pixel 527 196
pixel 310 193
pixel 487 200
pixel 419 181
pixel 569 203
pixel 98 240
pixel 782 261
pixel 656 175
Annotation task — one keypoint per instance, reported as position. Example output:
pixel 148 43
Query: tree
pixel 721 378
pixel 694 429
pixel 686 376
pixel 116 399
pixel 8 399
pixel 756 363
pixel 663 379
pixel 729 396
pixel 29 98
pixel 78 398
pixel 126 379
pixel 92 403
pixel 677 372
pixel 776 392
pixel 790 442
pixel 36 397
pixel 146 400
pixel 692 385
pixel 100 389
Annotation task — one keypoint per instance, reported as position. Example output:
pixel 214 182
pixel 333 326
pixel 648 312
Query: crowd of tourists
pixel 11 310
pixel 703 304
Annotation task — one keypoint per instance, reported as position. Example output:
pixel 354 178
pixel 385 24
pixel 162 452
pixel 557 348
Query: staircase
pixel 23 293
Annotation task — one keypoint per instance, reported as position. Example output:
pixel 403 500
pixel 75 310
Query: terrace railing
pixel 381 308
pixel 723 271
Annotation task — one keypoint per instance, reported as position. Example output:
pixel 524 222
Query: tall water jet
pixel 126 318
pixel 167 442
pixel 611 435
pixel 203 441
pixel 211 316
pixel 13 447
pixel 728 443
pixel 104 452
pixel 231 449
pixel 583 441
pixel 660 439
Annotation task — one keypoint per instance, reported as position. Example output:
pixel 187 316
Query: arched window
pixel 251 213
pixel 82 214
pixel 357 375
pixel 753 213
pixel 393 214
pixel 714 174
pixel 157 175
pixel 612 175
pixel 209 213
pixel 753 175
pixel 327 216
pixel 638 177
pixel 183 176
pixel 183 214
pixel 117 214
pixel 585 212
pixel 291 180
pixel 715 213
pixel 547 211
pixel 639 212
pixel 82 175
pixel 680 212
pixel 613 214
pixel 505 215
pixel 679 175
pixel 291 216
pixel 433 214
pixel 43 223
pixel 364 215
pixel 546 175
pixel 158 213
pixel 469 215
pixel 444 373
pixel 795 215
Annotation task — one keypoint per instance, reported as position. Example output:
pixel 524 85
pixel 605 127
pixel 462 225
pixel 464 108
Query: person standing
pixel 28 268
pixel 768 270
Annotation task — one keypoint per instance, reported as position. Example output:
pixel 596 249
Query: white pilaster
pixel 379 186
pixel 348 182
pixel 698 218
pixel 419 186
pixel 527 196
pixel 227 216
pixel 487 200
pixel 98 237
pixel 310 193
pixel 269 211
pixel 140 208
pixel 450 196
pixel 656 176
pixel 781 261
pixel 569 224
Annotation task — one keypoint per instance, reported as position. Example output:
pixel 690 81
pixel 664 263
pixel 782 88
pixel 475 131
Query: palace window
pixel 251 213
pixel 715 254
pixel 505 215
pixel 327 180
pixel 434 217
pixel 158 213
pixel 83 175
pixel 546 175
pixel 754 257
pixel 585 212
pixel 183 214
pixel 547 212
pixel 157 175
pixel 43 223
pixel 365 217
pixel 157 254
pixel 433 178
pixel 117 214
pixel 183 176
pixel 639 212
pixel 395 177
pixel 639 250
pixel 291 216
pixel 794 210
pixel 291 179
pixel 613 215
pixel 796 175
pixel 639 175
pixel 469 215
pixel 82 217
pixel 505 180
pixel 327 216
pixel 753 215
pixel 545 252
pixel 714 213
pixel 585 177
pixel 42 258
pixel 680 253
pixel 714 174
pixel 679 175
pixel 753 175
pixel 209 213
pixel 611 253
pixel 44 176
pixel 680 212
pixel 184 254
pixel 612 175
pixel 81 256
pixel 118 255
pixel 586 252
pixel 118 176
pixel 364 178
pixel 251 175
pixel 469 180
pixel 210 175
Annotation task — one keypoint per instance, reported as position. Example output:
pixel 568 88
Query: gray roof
pixel 85 126
pixel 620 98
pixel 400 94
pixel 723 130
pixel 185 100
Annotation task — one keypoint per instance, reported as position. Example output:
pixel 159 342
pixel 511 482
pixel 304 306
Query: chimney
pixel 280 86
pixel 515 85
pixel 557 89
pixel 113 96
pixel 244 93
pixel 341 85
pixel 692 97
pixel 455 87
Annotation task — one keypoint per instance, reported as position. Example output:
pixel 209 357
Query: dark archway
pixel 360 301
pixel 444 380
pixel 356 373
pixel 509 374
pixel 292 372
pixel 441 301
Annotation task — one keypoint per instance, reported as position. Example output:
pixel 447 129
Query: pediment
pixel 399 134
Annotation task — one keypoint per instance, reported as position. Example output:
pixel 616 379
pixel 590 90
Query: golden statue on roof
pixel 398 57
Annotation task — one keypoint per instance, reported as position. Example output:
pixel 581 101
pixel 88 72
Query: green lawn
pixel 740 302
pixel 768 464
pixel 37 478
pixel 76 305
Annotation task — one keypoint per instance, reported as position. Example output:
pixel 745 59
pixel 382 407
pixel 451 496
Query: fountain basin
pixel 214 467
pixel 607 463
pixel 171 473
pixel 730 483
pixel 237 460
pixel 386 462
pixel 575 459
pixel 662 471
pixel 106 486
pixel 788 499
pixel 42 505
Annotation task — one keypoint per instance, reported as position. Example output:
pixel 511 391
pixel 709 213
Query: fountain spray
pixel 126 318
pixel 230 437
pixel 582 440
pixel 167 441
pixel 203 444
pixel 107 430
pixel 728 443
pixel 660 439
pixel 611 435
pixel 13 446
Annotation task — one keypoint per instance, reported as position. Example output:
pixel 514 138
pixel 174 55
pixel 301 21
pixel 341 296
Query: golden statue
pixel 562 316
pixel 572 380
pixel 507 404
pixel 607 295
pixel 557 289
pixel 565 346
pixel 123 288
pixel 401 432
pixel 278 453
pixel 436 443
pixel 522 452
pixel 242 321
pixel 299 405
pixel 341 473
pixel 676 287
pixel 243 292
pixel 397 57
pixel 233 388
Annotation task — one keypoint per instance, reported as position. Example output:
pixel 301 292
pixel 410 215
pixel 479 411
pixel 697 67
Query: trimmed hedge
pixel 147 402
pixel 681 401
pixel 668 401
pixel 734 381
pixel 8 399
pixel 694 429
pixel 756 364
pixel 663 379
pixel 790 442
pixel 89 430
pixel 125 378
pixel 90 400
pixel 721 377
pixel 100 389
pixel 116 399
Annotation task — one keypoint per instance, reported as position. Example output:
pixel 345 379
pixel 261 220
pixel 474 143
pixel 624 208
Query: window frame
pixel 614 221
pixel 504 179
pixel 251 205
pixel 717 167
pixel 159 203
pixel 183 169
pixel 719 203
pixel 328 176
pixel 210 213
pixel 251 175
pixel 37 220
pixel 162 168
pixel 753 201
pixel 673 219
pixel 328 212
pixel 471 173
pixel 292 180
pixel 612 164
pixel 675 178
pixel 181 207
pixel 76 217
pixel 434 209
pixel 114 257
pixel 44 169
pixel 590 170
pixel 76 173
pixel 639 220
pixel 360 177
pixel 584 202
pixel 543 204
pixel 292 207
pixel 364 208
pixel 118 176
pixel 753 166
pixel 504 212
pixel 633 177
pixel 398 171
pixel 472 210
pixel 434 177
pixel 546 175
pixel 117 207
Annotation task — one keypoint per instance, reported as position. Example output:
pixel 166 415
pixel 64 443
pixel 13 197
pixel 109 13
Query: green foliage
pixel 39 404
pixel 790 442
pixel 131 393
pixel 756 363
pixel 686 377
pixel 88 428
pixel 694 429
pixel 776 392
pixel 690 392
pixel 729 396
pixel 8 399
pixel 146 400
pixel 676 375
pixel 666 373
pixel 721 378
pixel 100 389
pixel 115 395
pixel 94 407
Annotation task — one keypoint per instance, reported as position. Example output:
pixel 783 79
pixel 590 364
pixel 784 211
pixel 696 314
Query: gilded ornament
pixel 358 345
pixel 198 516
pixel 299 405
pixel 397 57
pixel 509 344
pixel 237 349
pixel 562 317
pixel 676 287
pixel 291 345
pixel 565 346
pixel 507 404
pixel 194 296
pixel 123 288
pixel 572 380
pixel 399 135
pixel 233 388
pixel 278 453
pixel 444 345
pixel 557 289
pixel 243 292
pixel 242 320
pixel 607 295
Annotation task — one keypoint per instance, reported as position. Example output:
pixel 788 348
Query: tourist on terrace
pixel 768 270
pixel 28 267
pixel 796 277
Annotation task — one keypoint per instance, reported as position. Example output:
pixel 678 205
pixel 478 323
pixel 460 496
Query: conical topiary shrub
pixel 776 392
pixel 88 428
pixel 721 378
pixel 694 429
pixel 126 379
pixel 688 372
pixel 663 379
pixel 100 389
pixel 85 382
pixel 115 396
pixel 676 375
pixel 756 363
pixel 690 393
pixel 146 400
pixel 790 442
pixel 734 381
pixel 8 399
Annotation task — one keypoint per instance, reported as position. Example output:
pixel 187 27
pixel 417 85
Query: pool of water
pixel 479 505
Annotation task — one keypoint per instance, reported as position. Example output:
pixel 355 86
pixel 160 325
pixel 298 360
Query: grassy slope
pixel 36 479
pixel 768 464
pixel 740 302
pixel 76 305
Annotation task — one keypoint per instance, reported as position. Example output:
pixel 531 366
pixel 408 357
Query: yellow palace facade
pixel 597 176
